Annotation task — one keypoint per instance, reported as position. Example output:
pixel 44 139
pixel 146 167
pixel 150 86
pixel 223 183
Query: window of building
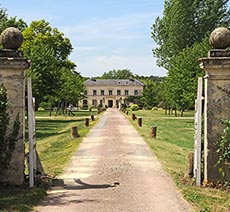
pixel 94 92
pixel 118 92
pixel 102 92
pixel 135 92
pixel 85 102
pixel 126 92
pixel 110 92
pixel 94 102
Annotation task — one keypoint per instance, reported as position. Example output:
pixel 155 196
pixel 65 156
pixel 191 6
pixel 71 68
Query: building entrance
pixel 110 103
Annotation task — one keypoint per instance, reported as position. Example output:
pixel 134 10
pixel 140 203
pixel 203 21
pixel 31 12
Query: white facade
pixel 111 93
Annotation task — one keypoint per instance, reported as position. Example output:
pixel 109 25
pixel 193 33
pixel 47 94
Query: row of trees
pixel 53 74
pixel 181 36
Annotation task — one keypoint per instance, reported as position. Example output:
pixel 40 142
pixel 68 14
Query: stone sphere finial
pixel 220 38
pixel 11 38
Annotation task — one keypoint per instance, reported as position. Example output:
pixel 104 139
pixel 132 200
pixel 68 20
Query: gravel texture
pixel 114 171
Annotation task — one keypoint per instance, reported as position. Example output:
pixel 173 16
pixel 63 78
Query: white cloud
pixel 124 27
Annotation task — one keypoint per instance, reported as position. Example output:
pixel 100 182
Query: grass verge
pixel 175 138
pixel 55 148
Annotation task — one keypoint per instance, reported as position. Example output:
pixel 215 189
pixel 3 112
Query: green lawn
pixel 54 143
pixel 174 141
pixel 55 147
pixel 175 138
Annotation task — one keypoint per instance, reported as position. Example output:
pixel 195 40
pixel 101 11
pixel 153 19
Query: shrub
pixel 45 105
pixel 134 107
pixel 99 106
pixel 41 109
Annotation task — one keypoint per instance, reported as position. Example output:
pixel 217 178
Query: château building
pixel 111 92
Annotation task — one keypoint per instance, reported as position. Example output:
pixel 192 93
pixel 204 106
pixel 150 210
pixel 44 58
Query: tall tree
pixel 44 72
pixel 48 50
pixel 72 88
pixel 181 35
pixel 41 33
pixel 151 97
pixel 181 82
pixel 185 22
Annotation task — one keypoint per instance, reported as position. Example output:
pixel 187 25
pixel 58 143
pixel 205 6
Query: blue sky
pixel 105 34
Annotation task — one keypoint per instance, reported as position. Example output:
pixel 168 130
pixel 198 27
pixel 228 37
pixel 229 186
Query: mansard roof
pixel 112 82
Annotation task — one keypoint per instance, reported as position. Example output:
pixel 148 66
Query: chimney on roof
pixel 131 79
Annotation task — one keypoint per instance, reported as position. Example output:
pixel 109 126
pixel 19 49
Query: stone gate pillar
pixel 12 69
pixel 217 100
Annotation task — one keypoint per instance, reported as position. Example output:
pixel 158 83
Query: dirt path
pixel 114 171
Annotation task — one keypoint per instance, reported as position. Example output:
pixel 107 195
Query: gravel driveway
pixel 114 171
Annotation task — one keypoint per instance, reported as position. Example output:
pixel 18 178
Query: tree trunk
pixel 175 112
pixel 58 107
pixel 51 109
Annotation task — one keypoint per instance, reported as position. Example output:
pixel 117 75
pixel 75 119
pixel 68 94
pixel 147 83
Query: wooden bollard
pixel 139 121
pixel 134 117
pixel 92 118
pixel 153 132
pixel 87 122
pixel 189 167
pixel 74 132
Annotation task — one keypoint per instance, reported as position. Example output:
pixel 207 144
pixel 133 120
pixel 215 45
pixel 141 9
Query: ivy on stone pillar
pixel 12 77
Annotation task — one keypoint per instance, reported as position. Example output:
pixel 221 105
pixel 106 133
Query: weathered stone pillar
pixel 12 68
pixel 217 102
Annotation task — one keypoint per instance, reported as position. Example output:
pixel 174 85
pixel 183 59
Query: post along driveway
pixel 114 171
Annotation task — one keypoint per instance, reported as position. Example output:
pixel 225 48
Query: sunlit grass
pixel 54 143
pixel 55 148
pixel 175 138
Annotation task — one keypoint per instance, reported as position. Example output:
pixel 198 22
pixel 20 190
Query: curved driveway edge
pixel 114 171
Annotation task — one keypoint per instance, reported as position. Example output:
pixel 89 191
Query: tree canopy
pixel 151 94
pixel 53 75
pixel 181 36
pixel 6 21
pixel 184 23
pixel 51 70
pixel 117 74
